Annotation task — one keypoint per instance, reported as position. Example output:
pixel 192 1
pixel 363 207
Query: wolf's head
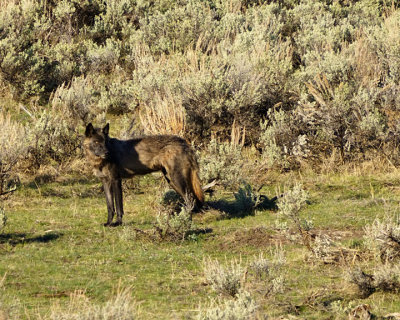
pixel 95 143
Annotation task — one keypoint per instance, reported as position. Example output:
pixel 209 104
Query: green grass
pixel 55 243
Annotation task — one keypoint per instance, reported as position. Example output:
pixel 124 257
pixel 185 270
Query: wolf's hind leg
pixel 178 179
pixel 181 184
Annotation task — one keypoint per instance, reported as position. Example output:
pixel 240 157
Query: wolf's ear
pixel 89 130
pixel 106 129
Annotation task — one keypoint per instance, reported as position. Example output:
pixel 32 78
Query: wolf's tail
pixel 196 187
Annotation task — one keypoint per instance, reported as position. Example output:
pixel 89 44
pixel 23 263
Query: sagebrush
pixel 303 79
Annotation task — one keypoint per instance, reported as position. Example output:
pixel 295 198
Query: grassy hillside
pixel 57 257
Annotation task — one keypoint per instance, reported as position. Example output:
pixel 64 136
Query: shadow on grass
pixel 238 209
pixel 22 238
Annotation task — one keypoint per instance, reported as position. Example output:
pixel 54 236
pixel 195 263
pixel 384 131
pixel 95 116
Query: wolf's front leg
pixel 117 191
pixel 108 190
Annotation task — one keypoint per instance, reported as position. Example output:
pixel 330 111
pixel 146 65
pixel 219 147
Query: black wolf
pixel 113 160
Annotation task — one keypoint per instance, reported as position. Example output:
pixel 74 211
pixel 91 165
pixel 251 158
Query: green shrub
pixel 292 202
pixel 177 29
pixel 246 201
pixel 260 266
pixel 77 101
pixel 103 58
pixel 239 78
pixel 384 40
pixel 222 161
pixel 283 144
pixel 113 20
pixel 116 97
pixel 24 61
pixel 175 226
pixel 289 207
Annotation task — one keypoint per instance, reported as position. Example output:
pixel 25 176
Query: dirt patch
pixel 340 235
pixel 255 237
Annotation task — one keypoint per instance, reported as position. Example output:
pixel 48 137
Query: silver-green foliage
pixel 222 161
pixel 175 226
pixel 383 238
pixel 224 279
pixel 53 138
pixel 281 139
pixel 222 62
pixel 385 277
pixel 269 271
pixel 241 307
pixel 14 146
pixel 292 202
pixel 289 207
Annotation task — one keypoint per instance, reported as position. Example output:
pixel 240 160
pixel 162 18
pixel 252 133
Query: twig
pixel 21 106
pixel 210 185
pixel 3 279
pixel 8 191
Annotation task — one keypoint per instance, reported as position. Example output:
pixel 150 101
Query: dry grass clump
pixel 173 221
pixel 76 100
pixel 79 307
pixel 226 279
pixel 163 115
pixel 14 146
pixel 383 278
pixel 269 274
pixel 237 284
pixel 260 266
pixel 383 238
pixel 387 278
pixel 241 307
pixel 2 312
pixel 54 139
pixel 283 144
pixel 8 310
pixel 326 250
pixel 321 246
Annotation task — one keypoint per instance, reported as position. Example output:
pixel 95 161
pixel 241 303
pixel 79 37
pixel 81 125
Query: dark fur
pixel 113 160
